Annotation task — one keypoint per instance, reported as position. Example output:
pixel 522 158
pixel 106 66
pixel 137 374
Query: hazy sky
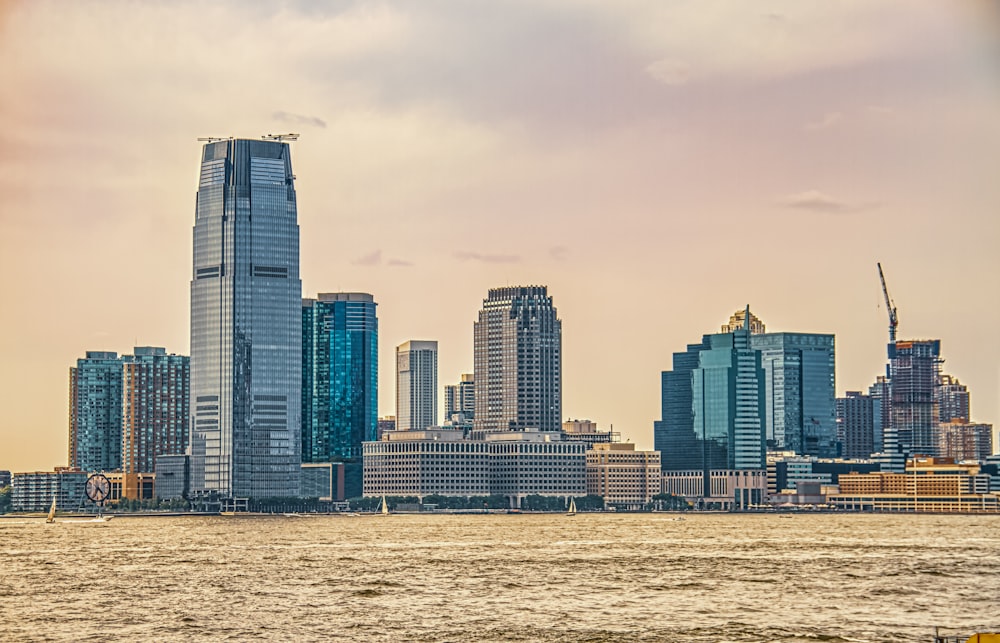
pixel 657 165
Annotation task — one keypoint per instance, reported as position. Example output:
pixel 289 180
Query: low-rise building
pixel 625 478
pixel 730 489
pixel 173 476
pixel 34 491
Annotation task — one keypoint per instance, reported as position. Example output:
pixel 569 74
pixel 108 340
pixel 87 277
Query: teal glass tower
pixel 95 412
pixel 340 381
pixel 246 354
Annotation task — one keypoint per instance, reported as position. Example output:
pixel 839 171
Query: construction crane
pixel 893 319
pixel 280 137
pixel 212 139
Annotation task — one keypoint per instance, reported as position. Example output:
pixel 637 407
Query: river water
pixel 591 577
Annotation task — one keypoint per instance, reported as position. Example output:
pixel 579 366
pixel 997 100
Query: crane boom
pixel 893 319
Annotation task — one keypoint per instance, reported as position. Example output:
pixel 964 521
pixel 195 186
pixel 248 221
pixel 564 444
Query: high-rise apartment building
pixel 246 321
pixel 155 405
pixel 518 361
pixel 914 371
pixel 713 407
pixel 859 428
pixel 953 400
pixel 340 380
pixel 460 400
pixel 416 385
pixel 961 440
pixel 95 412
pixel 800 389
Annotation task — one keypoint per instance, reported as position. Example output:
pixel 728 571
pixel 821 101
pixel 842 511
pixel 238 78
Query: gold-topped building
pixel 737 320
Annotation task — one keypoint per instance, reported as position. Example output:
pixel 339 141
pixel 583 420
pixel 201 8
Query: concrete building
pixel 131 486
pixel 859 428
pixel 928 485
pixel 384 425
pixel 914 370
pixel 952 399
pixel 340 381
pixel 786 471
pixel 960 440
pixel 442 461
pixel 246 323
pixel 460 400
pixel 728 489
pixel 416 385
pixel 588 432
pixel 95 412
pixel 518 361
pixel 625 478
pixel 34 491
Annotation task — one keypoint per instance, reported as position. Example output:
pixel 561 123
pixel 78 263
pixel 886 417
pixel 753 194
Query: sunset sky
pixel 658 165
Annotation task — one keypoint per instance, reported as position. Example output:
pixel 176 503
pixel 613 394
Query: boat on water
pixel 572 507
pixel 385 508
pixel 51 518
pixel 96 520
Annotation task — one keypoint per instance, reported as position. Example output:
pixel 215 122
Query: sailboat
pixel 572 507
pixel 385 507
pixel 51 518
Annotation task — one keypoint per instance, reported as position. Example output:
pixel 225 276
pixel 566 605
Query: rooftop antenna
pixel 280 137
pixel 212 139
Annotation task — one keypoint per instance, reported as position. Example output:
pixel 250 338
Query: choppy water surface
pixel 501 578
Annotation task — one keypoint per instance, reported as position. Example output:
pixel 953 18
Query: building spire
pixel 746 319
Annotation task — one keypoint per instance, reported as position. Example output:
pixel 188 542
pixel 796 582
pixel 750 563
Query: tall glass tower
pixel 340 376
pixel 246 339
pixel 95 412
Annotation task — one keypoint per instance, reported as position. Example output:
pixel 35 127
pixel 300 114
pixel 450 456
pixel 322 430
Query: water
pixel 592 577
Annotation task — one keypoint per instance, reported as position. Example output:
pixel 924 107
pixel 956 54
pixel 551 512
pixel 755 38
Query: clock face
pixel 98 488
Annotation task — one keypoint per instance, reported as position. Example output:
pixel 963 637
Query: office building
pixel 880 391
pixel 952 399
pixel 460 400
pixel 155 405
pixel 914 370
pixel 173 476
pixel 930 484
pixel 960 440
pixel 340 380
pixel 713 407
pixel 800 391
pixel 859 429
pixel 246 323
pixel 416 385
pixel 518 361
pixel 718 489
pixel 95 412
pixel 626 478
pixel 384 425
pixel 5 478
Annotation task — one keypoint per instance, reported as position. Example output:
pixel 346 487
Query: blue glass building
pixel 340 380
pixel 800 392
pixel 246 349
pixel 95 412
pixel 713 407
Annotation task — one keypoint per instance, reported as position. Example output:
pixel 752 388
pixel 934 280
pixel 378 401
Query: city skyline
pixel 659 155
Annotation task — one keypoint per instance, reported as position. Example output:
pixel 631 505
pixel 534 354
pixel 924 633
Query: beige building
pixel 621 475
pixel 730 489
pixel 960 440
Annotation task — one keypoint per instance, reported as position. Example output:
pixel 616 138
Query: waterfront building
pixel 340 380
pixel 460 400
pixel 722 489
pixel 859 429
pixel 95 412
pixel 246 323
pixel 416 385
pixel 173 476
pixel 928 485
pixel 34 491
pixel 5 479
pixel 914 371
pixel 155 405
pixel 786 471
pixel 713 407
pixel 626 478
pixel 799 391
pixel 131 486
pixel 518 361
pixel 443 461
pixel 588 432
pixel 384 425
pixel 952 399
pixel 960 440
pixel 323 480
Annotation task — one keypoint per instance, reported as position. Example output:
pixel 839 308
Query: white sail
pixel 385 507
pixel 572 507
pixel 52 512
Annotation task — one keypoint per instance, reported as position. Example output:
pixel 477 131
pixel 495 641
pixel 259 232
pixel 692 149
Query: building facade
pixel 246 354
pixel 624 477
pixel 928 485
pixel 34 491
pixel 800 391
pixel 914 372
pixel 155 406
pixel 95 412
pixel 460 400
pixel 960 440
pixel 720 489
pixel 416 385
pixel 173 476
pixel 518 361
pixel 859 429
pixel 953 400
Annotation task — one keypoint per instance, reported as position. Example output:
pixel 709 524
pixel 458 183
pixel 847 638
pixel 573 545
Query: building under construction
pixel 914 371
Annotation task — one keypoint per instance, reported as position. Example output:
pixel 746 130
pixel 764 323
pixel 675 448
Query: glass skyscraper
pixel 518 361
pixel 95 412
pixel 246 316
pixel 800 392
pixel 340 380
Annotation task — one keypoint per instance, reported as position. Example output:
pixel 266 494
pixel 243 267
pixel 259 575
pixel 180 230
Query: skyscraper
pixel 95 412
pixel 246 320
pixel 859 428
pixel 518 361
pixel 953 400
pixel 914 370
pixel 460 400
pixel 800 389
pixel 340 380
pixel 416 385
pixel 713 407
pixel 155 405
